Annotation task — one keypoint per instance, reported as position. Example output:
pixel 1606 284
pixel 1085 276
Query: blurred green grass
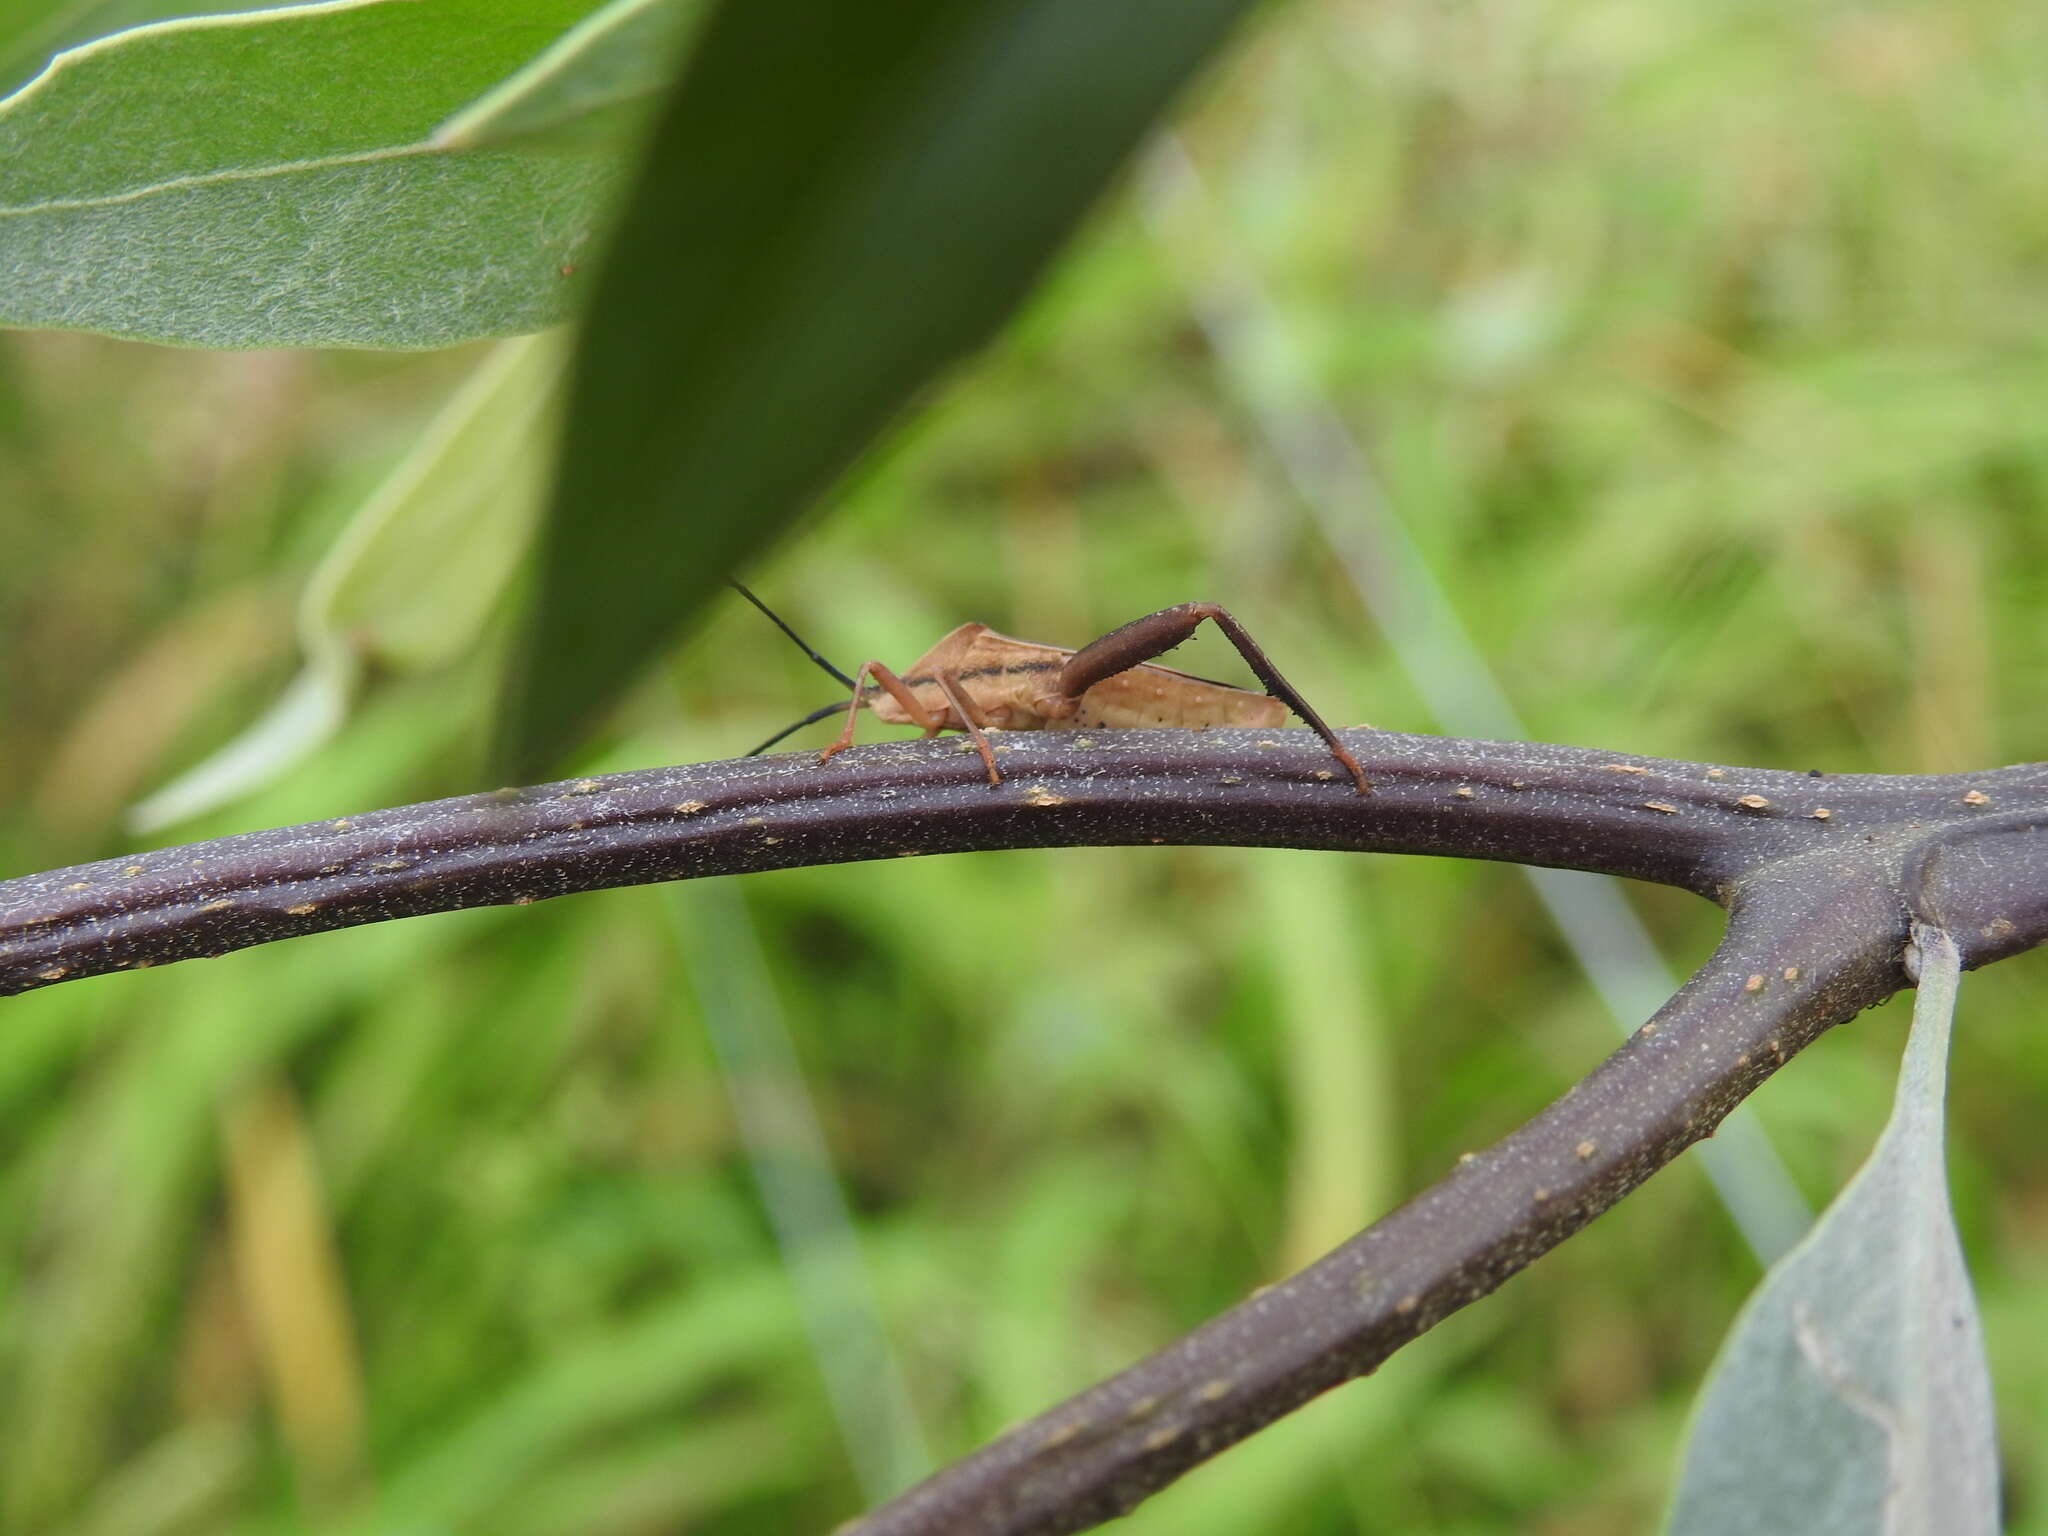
pixel 1701 351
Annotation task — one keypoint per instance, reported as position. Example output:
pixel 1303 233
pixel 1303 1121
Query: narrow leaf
pixel 411 579
pixel 1852 1396
pixel 841 202
pixel 269 179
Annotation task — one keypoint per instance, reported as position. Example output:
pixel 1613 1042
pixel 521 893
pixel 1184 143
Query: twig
pixel 1684 824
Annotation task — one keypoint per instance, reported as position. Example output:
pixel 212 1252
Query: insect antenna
pixel 822 712
pixel 815 715
pixel 776 619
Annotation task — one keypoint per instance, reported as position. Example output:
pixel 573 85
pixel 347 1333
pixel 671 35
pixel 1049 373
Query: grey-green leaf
pixel 840 202
pixel 1852 1395
pixel 270 178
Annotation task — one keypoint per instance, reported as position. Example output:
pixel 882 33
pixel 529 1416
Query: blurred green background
pixel 1702 353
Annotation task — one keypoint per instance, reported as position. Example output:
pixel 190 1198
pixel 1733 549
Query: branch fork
pixel 1823 878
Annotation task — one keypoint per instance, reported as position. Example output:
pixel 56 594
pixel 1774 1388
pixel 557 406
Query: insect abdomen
pixel 1146 696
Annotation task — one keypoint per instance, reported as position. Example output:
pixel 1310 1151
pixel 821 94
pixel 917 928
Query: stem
pixel 1684 824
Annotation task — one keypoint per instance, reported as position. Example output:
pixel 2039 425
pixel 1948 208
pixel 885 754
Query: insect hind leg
pixel 1139 641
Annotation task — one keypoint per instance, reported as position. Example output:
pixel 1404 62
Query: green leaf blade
pixel 1852 1395
pixel 907 172
pixel 266 179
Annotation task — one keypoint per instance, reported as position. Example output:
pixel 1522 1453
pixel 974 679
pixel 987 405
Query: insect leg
pixel 971 721
pixel 1157 633
pixel 898 690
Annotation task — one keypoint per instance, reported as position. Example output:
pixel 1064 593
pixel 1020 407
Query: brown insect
pixel 975 680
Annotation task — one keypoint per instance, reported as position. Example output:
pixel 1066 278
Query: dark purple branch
pixel 1685 824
